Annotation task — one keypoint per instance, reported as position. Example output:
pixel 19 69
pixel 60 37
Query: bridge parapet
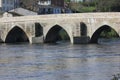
pixel 59 17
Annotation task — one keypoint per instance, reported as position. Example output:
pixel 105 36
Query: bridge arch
pixel 52 34
pixel 97 33
pixel 16 34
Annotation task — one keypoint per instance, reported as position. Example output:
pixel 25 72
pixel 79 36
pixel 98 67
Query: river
pixel 62 61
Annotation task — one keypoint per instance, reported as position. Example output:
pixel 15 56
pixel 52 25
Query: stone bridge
pixel 81 27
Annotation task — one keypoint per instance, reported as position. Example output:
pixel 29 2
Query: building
pixel 48 7
pixel 59 3
pixel 52 7
pixel 76 1
pixel 44 2
pixel 6 5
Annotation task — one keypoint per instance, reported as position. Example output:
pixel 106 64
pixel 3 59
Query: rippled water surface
pixel 59 61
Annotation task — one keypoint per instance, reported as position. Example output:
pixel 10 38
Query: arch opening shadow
pixel 0 37
pixel 56 33
pixel 105 32
pixel 16 35
pixel 83 29
pixel 1 41
pixel 38 30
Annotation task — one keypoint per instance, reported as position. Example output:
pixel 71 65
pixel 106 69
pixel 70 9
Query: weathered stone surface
pixel 71 23
pixel 38 39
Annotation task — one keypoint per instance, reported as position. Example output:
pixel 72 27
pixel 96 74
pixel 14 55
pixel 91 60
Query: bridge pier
pixel 1 41
pixel 81 40
pixel 37 39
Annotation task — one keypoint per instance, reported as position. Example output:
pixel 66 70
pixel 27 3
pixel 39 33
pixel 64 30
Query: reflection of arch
pixel 83 29
pixel 96 34
pixel 53 34
pixel 38 30
pixel 16 34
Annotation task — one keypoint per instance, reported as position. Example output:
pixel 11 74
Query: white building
pixel 44 2
pixel 46 7
pixel 77 1
pixel 6 5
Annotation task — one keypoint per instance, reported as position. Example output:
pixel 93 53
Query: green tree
pixel 67 0
pixel 108 5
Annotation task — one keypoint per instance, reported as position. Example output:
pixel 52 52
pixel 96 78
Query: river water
pixel 61 61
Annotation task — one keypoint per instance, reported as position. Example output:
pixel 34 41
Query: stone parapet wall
pixel 61 16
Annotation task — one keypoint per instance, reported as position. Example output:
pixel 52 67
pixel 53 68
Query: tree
pixel 108 5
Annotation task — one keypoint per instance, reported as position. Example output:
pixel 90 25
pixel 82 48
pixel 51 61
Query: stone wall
pixel 69 22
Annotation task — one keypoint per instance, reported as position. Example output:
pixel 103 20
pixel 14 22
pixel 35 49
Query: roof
pixel 22 12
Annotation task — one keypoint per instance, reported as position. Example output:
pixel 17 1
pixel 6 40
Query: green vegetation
pixel 29 4
pixel 82 7
pixel 108 5
pixel 67 0
pixel 95 6
pixel 108 34
pixel 63 34
pixel 87 9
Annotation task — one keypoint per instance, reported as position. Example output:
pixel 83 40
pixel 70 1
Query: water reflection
pixel 59 62
pixel 109 41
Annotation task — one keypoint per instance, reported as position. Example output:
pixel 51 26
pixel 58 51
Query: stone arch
pixel 16 34
pixel 83 29
pixel 38 30
pixel 52 34
pixel 96 34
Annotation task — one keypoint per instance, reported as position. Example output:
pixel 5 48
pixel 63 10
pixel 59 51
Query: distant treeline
pixel 95 6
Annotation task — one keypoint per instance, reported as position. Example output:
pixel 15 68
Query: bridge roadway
pixel 80 27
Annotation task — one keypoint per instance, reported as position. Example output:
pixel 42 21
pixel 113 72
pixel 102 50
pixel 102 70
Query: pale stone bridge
pixel 81 27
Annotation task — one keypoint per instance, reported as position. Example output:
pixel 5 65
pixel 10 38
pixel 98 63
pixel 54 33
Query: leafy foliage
pixel 108 5
pixel 108 34
pixel 29 4
pixel 96 6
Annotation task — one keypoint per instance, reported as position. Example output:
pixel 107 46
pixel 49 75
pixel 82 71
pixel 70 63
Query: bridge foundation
pixel 1 41
pixel 38 39
pixel 81 40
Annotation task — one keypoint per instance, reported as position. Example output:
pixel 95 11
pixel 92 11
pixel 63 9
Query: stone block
pixel 37 39
pixel 81 40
